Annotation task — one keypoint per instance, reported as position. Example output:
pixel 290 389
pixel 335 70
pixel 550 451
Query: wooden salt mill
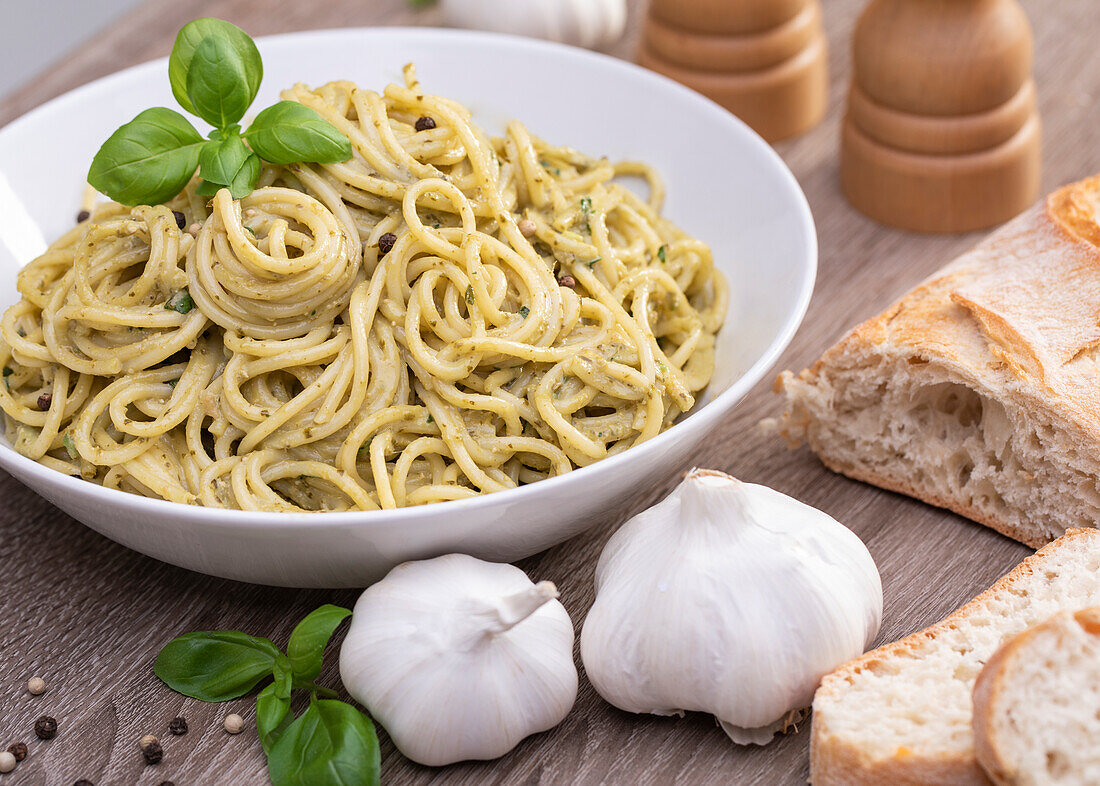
pixel 764 60
pixel 942 130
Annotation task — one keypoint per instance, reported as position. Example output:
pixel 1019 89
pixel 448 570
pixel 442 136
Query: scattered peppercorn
pixel 153 753
pixel 527 227
pixel 146 741
pixel 181 219
pixel 7 762
pixel 83 216
pixel 178 726
pixel 45 727
pixel 425 123
pixel 567 281
pixel 234 723
pixel 18 750
pixel 37 685
pixel 385 243
pixel 44 402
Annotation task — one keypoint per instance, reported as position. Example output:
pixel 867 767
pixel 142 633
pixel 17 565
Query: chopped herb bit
pixel 8 371
pixel 593 262
pixel 70 446
pixel 435 225
pixel 431 419
pixel 251 231
pixel 364 449
pixel 313 312
pixel 180 302
pixel 662 368
pixel 661 254
pixel 524 312
pixel 586 205
pixel 470 295
pixel 172 382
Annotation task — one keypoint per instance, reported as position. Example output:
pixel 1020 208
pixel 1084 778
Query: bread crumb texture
pixel 902 713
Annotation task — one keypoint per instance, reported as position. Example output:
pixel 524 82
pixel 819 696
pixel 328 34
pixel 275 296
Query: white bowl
pixel 725 185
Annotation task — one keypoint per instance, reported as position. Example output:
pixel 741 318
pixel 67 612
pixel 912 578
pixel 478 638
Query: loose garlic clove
pixel 459 658
pixel 728 598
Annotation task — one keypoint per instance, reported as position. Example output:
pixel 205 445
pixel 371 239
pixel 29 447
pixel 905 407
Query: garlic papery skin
pixel 728 598
pixel 588 23
pixel 459 658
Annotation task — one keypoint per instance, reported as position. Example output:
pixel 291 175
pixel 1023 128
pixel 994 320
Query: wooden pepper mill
pixel 764 60
pixel 942 130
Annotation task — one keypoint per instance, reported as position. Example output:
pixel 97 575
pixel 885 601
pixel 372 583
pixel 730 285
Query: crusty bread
pixel 901 714
pixel 979 390
pixel 1037 705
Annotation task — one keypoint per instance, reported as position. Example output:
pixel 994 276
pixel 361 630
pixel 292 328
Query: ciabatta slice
pixel 901 714
pixel 979 390
pixel 1037 705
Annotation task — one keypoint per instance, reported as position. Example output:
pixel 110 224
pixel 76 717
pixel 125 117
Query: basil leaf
pixel 217 83
pixel 273 708
pixel 330 744
pixel 149 160
pixel 215 665
pixel 307 643
pixel 189 39
pixel 289 132
pixel 228 163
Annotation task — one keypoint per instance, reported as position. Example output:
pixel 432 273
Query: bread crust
pixel 1016 318
pixel 838 762
pixel 994 678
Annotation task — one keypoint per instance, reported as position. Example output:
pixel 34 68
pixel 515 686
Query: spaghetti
pixel 443 315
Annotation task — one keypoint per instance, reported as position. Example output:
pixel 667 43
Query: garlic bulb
pixel 729 598
pixel 459 658
pixel 589 23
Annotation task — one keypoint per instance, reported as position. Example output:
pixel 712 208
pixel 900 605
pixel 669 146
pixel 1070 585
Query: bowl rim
pixel 698 419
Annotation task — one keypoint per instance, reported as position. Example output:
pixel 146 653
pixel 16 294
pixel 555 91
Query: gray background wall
pixel 36 33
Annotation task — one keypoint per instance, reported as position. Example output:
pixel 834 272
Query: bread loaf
pixel 901 714
pixel 1037 705
pixel 979 390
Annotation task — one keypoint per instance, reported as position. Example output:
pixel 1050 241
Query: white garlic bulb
pixel 589 23
pixel 728 598
pixel 459 658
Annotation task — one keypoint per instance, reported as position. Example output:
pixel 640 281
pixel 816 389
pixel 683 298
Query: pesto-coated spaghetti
pixel 441 316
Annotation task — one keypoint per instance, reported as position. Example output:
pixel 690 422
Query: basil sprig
pixel 330 744
pixel 215 71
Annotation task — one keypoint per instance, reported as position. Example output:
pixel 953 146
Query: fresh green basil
pixel 228 163
pixel 217 82
pixel 149 160
pixel 330 744
pixel 287 132
pixel 215 665
pixel 188 41
pixel 215 71
pixel 306 647
pixel 272 716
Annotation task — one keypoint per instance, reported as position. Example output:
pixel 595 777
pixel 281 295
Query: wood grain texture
pixel 89 615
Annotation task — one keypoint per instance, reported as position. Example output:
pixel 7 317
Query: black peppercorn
pixel 44 401
pixel 153 753
pixel 178 726
pixel 18 750
pixel 385 243
pixel 181 219
pixel 425 123
pixel 83 215
pixel 45 727
pixel 567 281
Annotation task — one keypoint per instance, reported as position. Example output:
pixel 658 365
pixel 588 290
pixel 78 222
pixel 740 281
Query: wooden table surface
pixel 89 616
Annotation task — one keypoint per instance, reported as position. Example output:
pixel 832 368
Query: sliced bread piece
pixel 901 714
pixel 1037 705
pixel 979 390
